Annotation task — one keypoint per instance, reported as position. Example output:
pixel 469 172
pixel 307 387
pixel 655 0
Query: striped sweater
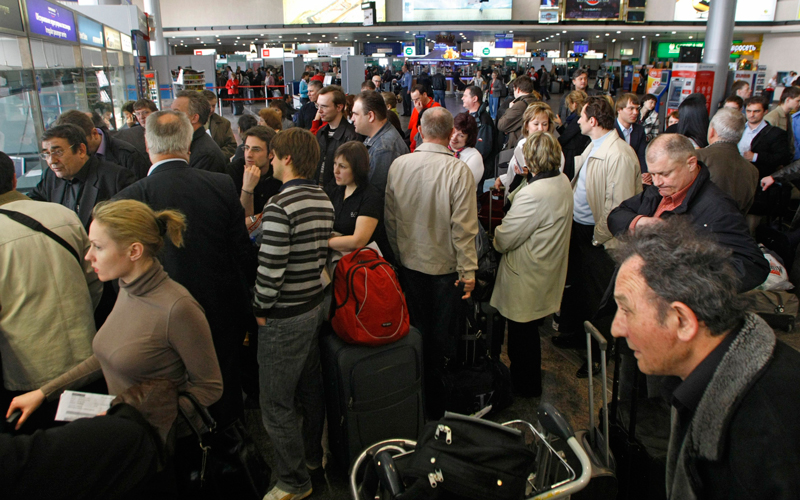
pixel 296 225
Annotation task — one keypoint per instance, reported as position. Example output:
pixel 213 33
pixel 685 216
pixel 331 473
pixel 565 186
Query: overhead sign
pixel 503 41
pixel 113 40
pixel 409 51
pixel 11 15
pixel 329 12
pixel 127 43
pixel 746 10
pixel 456 10
pixel 205 52
pixel 671 50
pixel 489 49
pixel 272 52
pixel 548 16
pixel 592 10
pixel 337 51
pixel 90 32
pixel 51 20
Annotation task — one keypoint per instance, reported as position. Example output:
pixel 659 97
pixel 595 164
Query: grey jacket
pixel 384 148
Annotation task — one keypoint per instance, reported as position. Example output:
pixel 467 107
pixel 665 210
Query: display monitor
pixel 504 41
pixel 328 11
pixel 580 47
pixel 456 10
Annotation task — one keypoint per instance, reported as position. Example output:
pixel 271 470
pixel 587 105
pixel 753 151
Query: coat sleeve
pixel 621 184
pixel 511 119
pixel 40 192
pixel 389 216
pixel 569 132
pixel 747 259
pixel 619 220
pixel 790 172
pixel 519 223
pixel 464 224
pixel 773 153
pixel 228 145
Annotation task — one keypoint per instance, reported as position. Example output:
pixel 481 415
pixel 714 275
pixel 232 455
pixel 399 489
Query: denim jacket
pixel 384 148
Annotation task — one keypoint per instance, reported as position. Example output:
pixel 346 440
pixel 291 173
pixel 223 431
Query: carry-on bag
pixel 371 393
pixel 778 308
pixel 369 306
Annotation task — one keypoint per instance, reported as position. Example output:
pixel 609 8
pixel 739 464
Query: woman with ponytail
pixel 156 329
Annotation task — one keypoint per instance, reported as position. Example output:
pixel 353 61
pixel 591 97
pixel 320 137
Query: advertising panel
pixel 592 9
pixel 90 32
pixel 548 16
pixel 328 11
pixel 746 10
pixel 456 10
pixel 488 49
pixel 272 52
pixel 113 40
pixel 10 15
pixel 127 43
pixel 51 20
pixel 671 50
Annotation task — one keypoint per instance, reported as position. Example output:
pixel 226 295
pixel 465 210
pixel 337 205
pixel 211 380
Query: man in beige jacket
pixel 606 174
pixel 431 222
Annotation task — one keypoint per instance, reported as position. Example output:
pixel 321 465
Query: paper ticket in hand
pixel 74 405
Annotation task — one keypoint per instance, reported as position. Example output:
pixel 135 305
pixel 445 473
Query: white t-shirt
pixel 472 157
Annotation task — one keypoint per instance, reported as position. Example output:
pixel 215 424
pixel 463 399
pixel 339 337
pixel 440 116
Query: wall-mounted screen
pixel 328 11
pixel 591 9
pixel 10 15
pixel 51 20
pixel 504 41
pixel 580 47
pixel 456 10
pixel 746 10
pixel 90 32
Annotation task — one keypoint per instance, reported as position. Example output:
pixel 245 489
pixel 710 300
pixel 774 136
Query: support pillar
pixel 719 37
pixel 158 44
pixel 644 51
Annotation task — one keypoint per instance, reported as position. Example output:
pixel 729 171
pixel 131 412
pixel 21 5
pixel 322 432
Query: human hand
pixel 557 121
pixel 498 184
pixel 469 286
pixel 317 117
pixel 252 174
pixel 647 221
pixel 27 403
pixel 766 182
pixel 748 155
pixel 647 178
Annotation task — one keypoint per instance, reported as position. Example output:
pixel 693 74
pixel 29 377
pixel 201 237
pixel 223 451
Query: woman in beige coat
pixel 534 241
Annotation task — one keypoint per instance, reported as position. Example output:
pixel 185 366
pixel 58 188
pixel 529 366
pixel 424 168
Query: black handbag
pixel 468 458
pixel 218 463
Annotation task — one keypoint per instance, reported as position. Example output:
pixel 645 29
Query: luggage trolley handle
pixel 555 423
pixel 591 331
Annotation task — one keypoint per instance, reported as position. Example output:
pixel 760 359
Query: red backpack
pixel 368 304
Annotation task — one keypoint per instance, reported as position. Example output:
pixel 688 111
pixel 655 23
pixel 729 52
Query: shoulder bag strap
pixel 38 226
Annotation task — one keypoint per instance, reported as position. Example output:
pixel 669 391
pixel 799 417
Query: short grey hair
pixel 729 124
pixel 678 148
pixel 680 265
pixel 437 123
pixel 168 132
pixel 198 104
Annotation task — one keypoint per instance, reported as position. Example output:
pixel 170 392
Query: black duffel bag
pixel 468 458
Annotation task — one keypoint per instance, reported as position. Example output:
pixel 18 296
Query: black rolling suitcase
pixel 371 393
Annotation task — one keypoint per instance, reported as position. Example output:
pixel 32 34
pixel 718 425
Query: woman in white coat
pixel 534 240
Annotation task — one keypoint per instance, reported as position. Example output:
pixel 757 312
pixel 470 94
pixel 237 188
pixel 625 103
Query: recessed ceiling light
pixel 198 39
pixel 280 36
pixel 631 38
pixel 462 34
pixel 308 33
pixel 262 34
pixel 674 32
pixel 336 37
pixel 691 37
pixel 597 36
pixel 658 34
pixel 407 32
pixel 323 36
pixel 619 32
pixel 614 40
pixel 564 31
pixel 238 37
pixel 511 31
pixel 608 34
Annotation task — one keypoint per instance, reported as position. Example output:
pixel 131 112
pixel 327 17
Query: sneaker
pixel 278 494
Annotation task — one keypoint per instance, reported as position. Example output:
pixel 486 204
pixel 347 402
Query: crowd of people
pixel 216 252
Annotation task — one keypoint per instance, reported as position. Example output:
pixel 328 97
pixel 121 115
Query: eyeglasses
pixel 632 108
pixel 55 153
pixel 142 114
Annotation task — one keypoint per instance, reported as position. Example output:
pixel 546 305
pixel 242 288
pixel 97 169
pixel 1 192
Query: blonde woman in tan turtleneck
pixel 156 329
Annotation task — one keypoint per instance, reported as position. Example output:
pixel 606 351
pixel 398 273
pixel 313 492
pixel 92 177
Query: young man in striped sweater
pixel 288 306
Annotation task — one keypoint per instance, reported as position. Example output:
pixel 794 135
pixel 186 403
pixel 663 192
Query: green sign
pixel 671 50
pixel 487 51
pixel 236 58
pixel 409 51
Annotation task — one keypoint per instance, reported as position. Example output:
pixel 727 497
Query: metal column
pixel 158 44
pixel 719 36
pixel 644 51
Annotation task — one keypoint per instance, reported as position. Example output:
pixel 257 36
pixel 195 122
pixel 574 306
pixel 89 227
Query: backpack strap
pixel 38 226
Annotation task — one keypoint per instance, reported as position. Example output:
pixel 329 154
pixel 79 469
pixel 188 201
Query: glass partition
pixel 116 76
pixel 59 79
pixel 98 85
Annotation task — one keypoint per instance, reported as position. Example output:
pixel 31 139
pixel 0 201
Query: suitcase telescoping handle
pixel 554 422
pixel 591 331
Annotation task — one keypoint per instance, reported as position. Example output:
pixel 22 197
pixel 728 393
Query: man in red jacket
pixel 421 101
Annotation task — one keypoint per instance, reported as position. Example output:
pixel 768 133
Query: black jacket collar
pixel 699 183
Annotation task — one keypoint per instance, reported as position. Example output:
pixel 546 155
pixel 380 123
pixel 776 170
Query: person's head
pixel 169 135
pixel 314 86
pixel 330 103
pixel 523 85
pixel 465 132
pixel 649 102
pixel 305 76
pixel 211 98
pixel 538 117
pixel 597 117
pixel 369 113
pixel 473 95
pixel 755 108
pixel 142 109
pixel 672 161
pixel 790 99
pixel 494 75
pixel 368 85
pixel 127 234
pixel 271 118
pixel 65 150
pixel 127 114
pixel 85 123
pixel 295 154
pixel 376 80
pixel 734 102
pixel 627 108
pixel 257 141
pixel 8 175
pixel 580 79
pixel 419 97
pixel 351 164
pixel 542 152
pixel 673 118
pixel 478 73
pixel 246 122
pixel 575 101
pixel 726 125
pixel 676 293
pixel 193 105
pixel 741 88
pixel 694 119
pixel 390 99
pixel 437 126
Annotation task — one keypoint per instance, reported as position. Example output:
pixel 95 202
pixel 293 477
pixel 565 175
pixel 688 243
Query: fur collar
pixel 705 437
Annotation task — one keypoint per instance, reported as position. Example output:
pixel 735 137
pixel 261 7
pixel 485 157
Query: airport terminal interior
pixel 265 64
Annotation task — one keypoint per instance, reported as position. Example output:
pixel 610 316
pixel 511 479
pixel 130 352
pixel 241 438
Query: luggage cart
pixel 552 476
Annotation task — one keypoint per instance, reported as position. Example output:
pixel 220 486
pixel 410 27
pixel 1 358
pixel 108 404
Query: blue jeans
pixel 494 103
pixel 291 387
pixel 438 96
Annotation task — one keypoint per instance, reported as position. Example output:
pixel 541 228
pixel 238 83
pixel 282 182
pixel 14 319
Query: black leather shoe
pixel 583 371
pixel 569 341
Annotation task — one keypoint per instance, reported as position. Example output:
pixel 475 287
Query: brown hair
pixel 600 109
pixel 542 152
pixel 260 132
pixel 577 97
pixel 465 122
pixel 356 155
pixel 624 100
pixel 339 98
pixel 77 118
pixel 131 221
pixel 390 99
pixel 372 101
pixel 302 146
pixel 537 109
pixel 272 118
